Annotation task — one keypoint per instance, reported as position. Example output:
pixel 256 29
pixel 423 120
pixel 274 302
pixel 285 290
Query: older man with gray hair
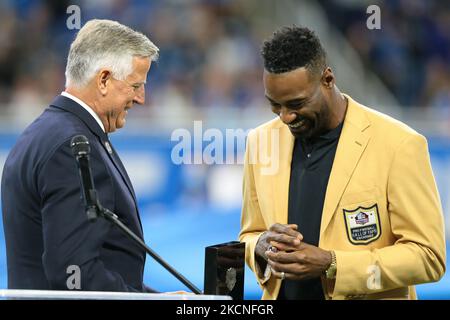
pixel 49 240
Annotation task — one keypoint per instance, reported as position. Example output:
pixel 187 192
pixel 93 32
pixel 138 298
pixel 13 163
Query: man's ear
pixel 328 79
pixel 104 78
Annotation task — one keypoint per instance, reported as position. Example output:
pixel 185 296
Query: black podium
pixel 224 269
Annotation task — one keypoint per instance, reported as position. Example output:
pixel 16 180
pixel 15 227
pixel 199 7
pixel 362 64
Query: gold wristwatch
pixel 331 271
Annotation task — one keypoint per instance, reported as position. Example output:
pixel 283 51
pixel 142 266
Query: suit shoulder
pixel 391 129
pixel 54 127
pixel 51 130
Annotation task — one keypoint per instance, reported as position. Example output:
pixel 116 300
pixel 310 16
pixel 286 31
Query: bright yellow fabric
pixel 379 161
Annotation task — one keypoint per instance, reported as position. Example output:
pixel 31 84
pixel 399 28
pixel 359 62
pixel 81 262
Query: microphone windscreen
pixel 80 145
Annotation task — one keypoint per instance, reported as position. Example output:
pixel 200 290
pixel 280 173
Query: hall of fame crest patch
pixel 362 225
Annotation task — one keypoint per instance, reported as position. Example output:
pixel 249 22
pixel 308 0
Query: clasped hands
pixel 282 247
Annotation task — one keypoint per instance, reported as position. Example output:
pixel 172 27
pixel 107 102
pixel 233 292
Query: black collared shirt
pixel 311 165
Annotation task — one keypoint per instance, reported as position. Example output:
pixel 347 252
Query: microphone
pixel 81 150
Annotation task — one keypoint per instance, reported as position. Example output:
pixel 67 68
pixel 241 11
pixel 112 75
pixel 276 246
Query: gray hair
pixel 105 44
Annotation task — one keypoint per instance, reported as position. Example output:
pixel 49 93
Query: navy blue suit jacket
pixel 46 228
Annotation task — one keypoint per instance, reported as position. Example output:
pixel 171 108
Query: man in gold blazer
pixel 336 195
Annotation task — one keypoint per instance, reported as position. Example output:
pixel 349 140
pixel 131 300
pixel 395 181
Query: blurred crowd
pixel 411 51
pixel 210 49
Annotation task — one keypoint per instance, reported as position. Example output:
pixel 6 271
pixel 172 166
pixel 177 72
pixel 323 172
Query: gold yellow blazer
pixel 382 214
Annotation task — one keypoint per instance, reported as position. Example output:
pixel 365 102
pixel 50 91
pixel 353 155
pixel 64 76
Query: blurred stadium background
pixel 210 70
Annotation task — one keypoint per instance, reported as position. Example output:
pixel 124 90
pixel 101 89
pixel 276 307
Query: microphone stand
pixel 94 211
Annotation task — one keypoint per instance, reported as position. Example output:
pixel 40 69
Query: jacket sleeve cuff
pixel 351 275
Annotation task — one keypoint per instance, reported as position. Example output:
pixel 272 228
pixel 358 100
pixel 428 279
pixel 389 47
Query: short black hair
pixel 293 47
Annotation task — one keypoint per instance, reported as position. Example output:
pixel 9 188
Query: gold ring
pixel 282 275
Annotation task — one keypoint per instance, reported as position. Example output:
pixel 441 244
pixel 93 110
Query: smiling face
pixel 300 101
pixel 118 96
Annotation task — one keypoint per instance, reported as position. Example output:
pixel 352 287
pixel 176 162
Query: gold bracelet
pixel 331 271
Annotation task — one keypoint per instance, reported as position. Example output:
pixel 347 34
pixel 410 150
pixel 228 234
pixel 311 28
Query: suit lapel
pixel 280 187
pixel 120 167
pixel 114 157
pixel 352 143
